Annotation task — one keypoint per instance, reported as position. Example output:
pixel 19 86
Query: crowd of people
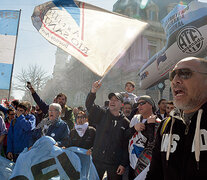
pixel 126 136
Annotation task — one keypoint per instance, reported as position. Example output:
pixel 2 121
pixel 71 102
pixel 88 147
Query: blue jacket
pixel 20 133
pixel 68 117
pixel 59 132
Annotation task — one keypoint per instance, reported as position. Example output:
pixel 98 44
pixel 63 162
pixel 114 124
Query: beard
pixel 191 103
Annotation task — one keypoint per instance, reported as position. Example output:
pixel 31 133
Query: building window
pixel 152 50
pixel 152 16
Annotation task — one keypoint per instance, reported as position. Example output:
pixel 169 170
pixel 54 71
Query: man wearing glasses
pixel 143 139
pixel 52 126
pixel 66 114
pixel 181 145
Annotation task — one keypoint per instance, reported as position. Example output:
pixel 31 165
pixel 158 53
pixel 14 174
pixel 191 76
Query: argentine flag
pixel 9 20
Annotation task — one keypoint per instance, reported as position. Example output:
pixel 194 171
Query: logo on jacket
pixel 166 140
pixel 203 141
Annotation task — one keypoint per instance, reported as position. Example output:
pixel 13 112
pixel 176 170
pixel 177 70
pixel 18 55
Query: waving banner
pixel 186 30
pixel 47 161
pixel 9 21
pixel 96 37
pixel 6 168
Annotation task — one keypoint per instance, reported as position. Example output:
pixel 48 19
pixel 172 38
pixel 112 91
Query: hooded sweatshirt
pixel 180 151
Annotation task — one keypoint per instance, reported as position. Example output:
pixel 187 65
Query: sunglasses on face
pixel 141 103
pixel 184 73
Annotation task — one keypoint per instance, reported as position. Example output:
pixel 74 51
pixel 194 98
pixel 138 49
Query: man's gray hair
pixel 56 106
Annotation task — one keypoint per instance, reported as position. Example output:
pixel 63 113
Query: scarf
pixel 45 124
pixel 81 129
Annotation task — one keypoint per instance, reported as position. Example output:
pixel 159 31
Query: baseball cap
pixel 117 95
pixel 149 100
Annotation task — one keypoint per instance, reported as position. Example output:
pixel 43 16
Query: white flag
pixel 96 37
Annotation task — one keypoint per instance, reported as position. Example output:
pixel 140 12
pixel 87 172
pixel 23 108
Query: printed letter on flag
pixel 96 37
pixel 9 21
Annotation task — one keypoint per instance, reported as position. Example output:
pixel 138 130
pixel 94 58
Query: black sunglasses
pixel 141 103
pixel 184 73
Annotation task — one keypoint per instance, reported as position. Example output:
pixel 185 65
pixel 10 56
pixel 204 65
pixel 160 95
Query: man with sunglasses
pixel 110 146
pixel 143 139
pixel 181 145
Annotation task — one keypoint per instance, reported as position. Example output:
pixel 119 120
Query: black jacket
pixel 86 141
pixel 182 164
pixel 159 115
pixel 111 141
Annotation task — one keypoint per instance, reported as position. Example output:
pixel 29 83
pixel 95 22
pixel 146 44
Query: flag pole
pixel 110 68
pixel 14 55
pixel 104 76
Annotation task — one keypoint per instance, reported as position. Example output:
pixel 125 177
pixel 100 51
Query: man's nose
pixel 177 79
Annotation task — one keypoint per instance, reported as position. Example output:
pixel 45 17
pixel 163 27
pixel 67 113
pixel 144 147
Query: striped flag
pixel 96 37
pixel 9 21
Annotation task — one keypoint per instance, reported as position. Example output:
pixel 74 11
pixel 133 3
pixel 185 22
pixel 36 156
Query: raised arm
pixel 42 105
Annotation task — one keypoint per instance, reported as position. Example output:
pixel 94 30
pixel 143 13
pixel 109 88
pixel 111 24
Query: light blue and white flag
pixel 9 20
pixel 47 161
pixel 96 37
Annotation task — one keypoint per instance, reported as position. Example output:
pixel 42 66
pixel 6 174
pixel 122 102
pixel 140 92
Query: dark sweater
pixel 86 141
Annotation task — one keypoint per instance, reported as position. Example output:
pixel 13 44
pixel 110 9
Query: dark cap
pixel 117 95
pixel 149 100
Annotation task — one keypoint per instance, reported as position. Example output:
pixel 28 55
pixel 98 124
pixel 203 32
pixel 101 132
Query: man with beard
pixel 127 109
pixel 67 112
pixel 181 144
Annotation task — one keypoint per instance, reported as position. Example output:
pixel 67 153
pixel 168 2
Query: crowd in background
pixel 120 135
pixel 22 124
